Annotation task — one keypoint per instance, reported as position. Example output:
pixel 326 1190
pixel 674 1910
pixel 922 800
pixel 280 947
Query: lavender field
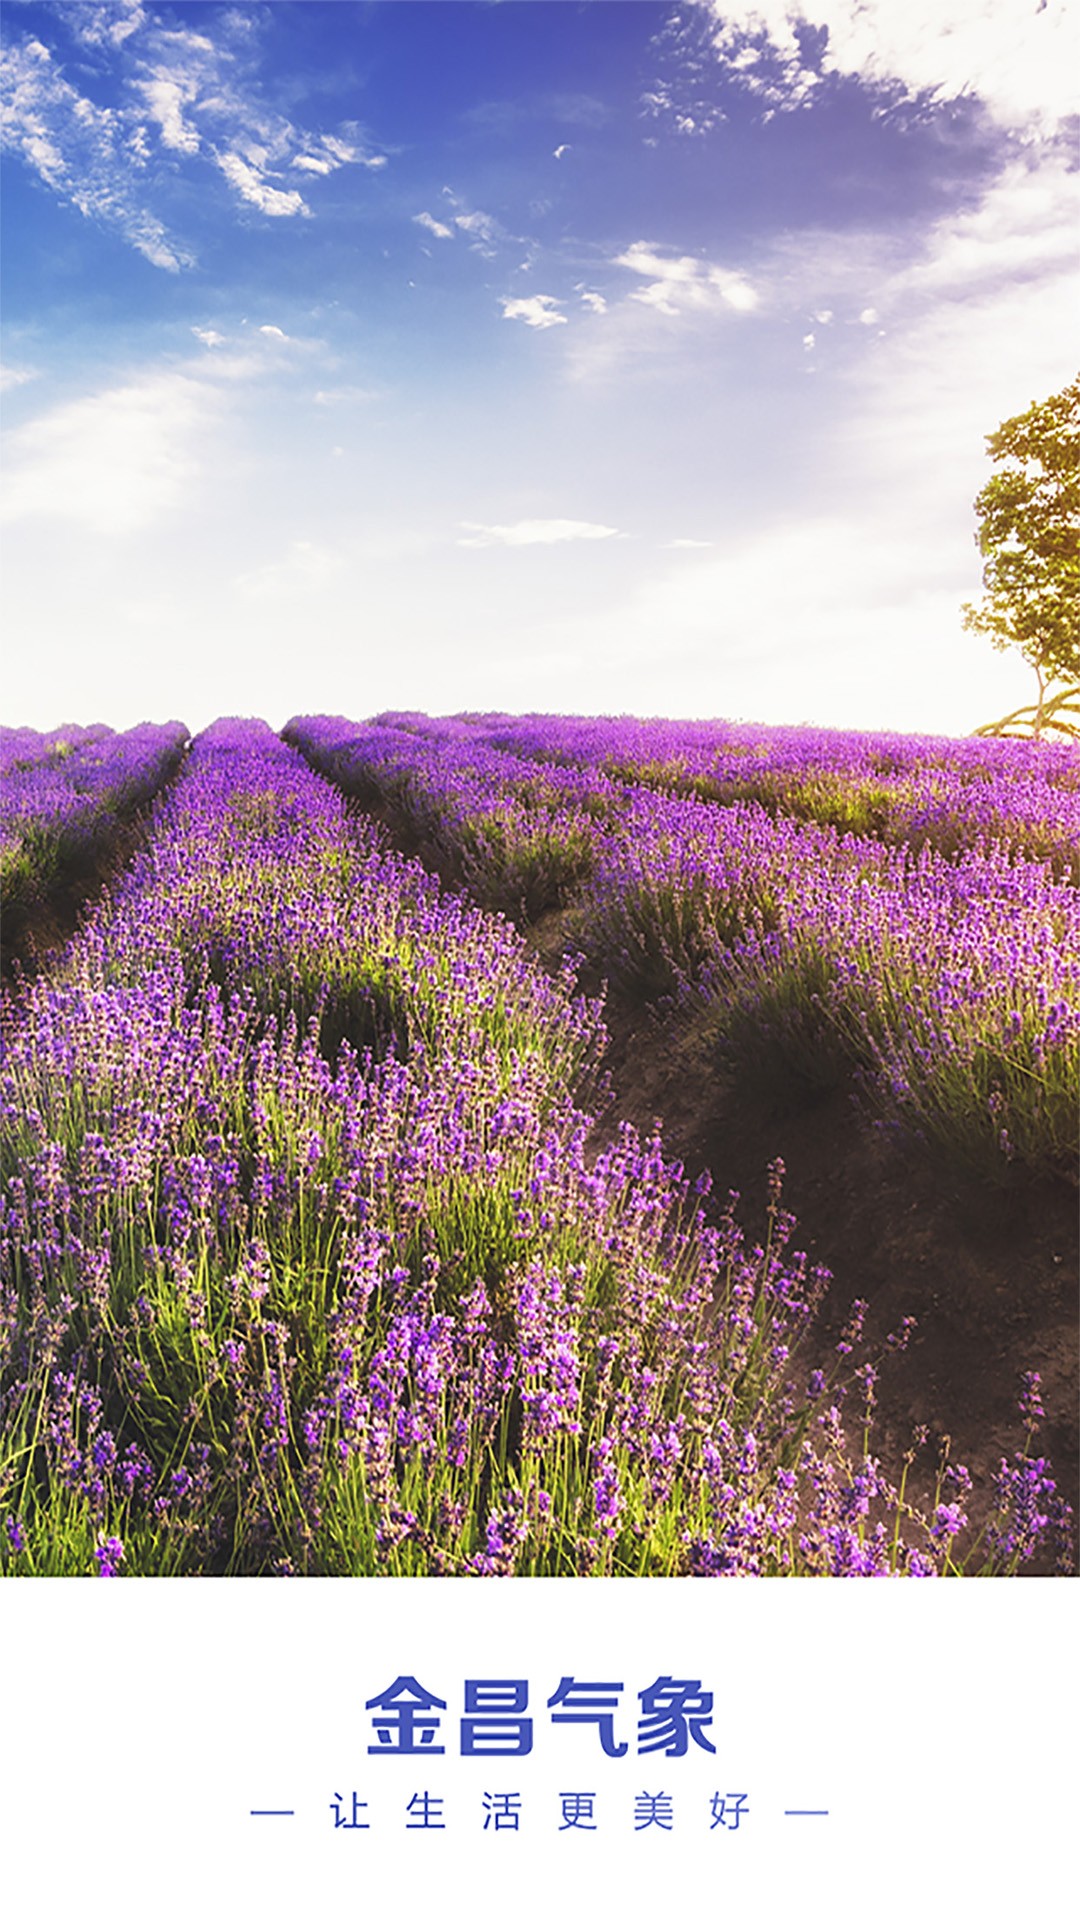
pixel 66 799
pixel 333 1242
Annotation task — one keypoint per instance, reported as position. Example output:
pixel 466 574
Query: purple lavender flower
pixel 108 1553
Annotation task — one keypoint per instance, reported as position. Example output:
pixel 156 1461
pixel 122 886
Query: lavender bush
pixel 64 796
pixel 1021 796
pixel 938 965
pixel 306 1265
pixel 521 838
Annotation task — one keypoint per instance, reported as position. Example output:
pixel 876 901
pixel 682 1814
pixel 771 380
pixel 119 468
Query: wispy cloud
pixel 839 291
pixel 636 328
pixel 503 117
pixel 1024 228
pixel 305 568
pixel 113 462
pixel 12 377
pixel 183 97
pixel 679 283
pixel 1022 231
pixel 480 226
pixel 119 460
pixel 165 99
pixel 88 155
pixel 533 533
pixel 252 185
pixel 1016 56
pixel 576 109
pixel 537 310
pixel 330 153
pixel 345 396
pixel 482 230
pixel 434 226
pixel 99 23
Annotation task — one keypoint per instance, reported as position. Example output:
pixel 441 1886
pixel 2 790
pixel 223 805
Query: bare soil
pixel 35 926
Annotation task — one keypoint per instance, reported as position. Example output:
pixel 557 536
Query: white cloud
pixel 679 283
pixel 347 153
pixel 181 40
pixel 106 23
pixel 835 621
pixel 113 462
pixel 1017 56
pixel 12 377
pixel 333 153
pixel 274 333
pixel 538 310
pixel 251 185
pixel 345 396
pixel 865 287
pixel 533 533
pixel 594 301
pixel 434 226
pixel 481 226
pixel 1025 227
pixel 559 151
pixel 78 150
pixel 305 568
pixel 178 95
pixel 165 99
pixel 125 458
pixel 689 543
pixel 1022 232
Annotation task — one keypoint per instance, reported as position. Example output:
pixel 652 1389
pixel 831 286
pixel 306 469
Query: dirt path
pixel 991 1277
pixel 33 928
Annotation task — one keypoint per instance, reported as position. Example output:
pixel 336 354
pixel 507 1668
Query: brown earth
pixel 33 929
pixel 34 926
pixel 990 1277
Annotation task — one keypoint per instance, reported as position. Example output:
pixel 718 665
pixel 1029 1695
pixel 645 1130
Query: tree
pixel 1029 538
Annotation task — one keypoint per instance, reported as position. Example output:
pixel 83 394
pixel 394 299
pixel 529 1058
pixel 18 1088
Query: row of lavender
pixel 64 796
pixel 304 1266
pixel 911 789
pixel 947 987
pixel 24 747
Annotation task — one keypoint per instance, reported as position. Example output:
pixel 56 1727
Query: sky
pixel 529 356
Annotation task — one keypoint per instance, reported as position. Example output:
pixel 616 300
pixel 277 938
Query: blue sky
pixel 598 358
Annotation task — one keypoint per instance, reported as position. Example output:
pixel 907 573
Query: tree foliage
pixel 1029 537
